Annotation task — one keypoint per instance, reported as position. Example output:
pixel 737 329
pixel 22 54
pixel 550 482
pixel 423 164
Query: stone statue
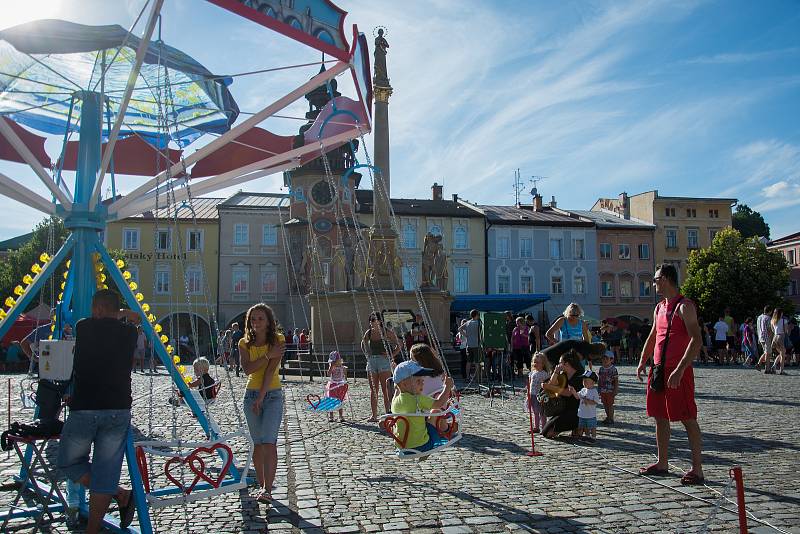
pixel 303 273
pixel 440 266
pixel 428 260
pixel 338 265
pixel 381 47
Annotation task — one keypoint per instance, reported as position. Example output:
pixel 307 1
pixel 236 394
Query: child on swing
pixel 336 386
pixel 409 399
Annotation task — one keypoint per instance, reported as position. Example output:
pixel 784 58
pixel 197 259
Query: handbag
pixel 657 371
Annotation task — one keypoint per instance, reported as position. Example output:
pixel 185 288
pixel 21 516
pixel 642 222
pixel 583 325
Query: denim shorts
pixel 378 364
pixel 264 426
pixel 107 430
pixel 587 422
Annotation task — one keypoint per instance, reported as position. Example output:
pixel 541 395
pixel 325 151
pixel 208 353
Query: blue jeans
pixel 433 439
pixel 264 426
pixel 107 430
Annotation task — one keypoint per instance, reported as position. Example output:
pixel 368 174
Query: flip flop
pixel 126 512
pixel 692 479
pixel 653 471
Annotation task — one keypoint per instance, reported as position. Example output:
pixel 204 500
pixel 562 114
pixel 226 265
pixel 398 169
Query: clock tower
pixel 321 230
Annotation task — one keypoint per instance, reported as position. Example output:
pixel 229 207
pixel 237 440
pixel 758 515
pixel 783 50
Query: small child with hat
pixel 587 410
pixel 608 385
pixel 408 399
pixel 336 386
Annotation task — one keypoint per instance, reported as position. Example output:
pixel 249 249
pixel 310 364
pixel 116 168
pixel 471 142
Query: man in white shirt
pixel 764 330
pixel 721 340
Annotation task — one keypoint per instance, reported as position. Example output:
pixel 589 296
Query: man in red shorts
pixel 674 342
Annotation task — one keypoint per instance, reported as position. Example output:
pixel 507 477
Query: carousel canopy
pixel 45 63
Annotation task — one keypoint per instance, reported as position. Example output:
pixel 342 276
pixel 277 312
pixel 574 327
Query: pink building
pixel 789 246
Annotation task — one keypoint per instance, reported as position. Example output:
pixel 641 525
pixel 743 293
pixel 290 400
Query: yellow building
pixel 682 224
pixel 175 266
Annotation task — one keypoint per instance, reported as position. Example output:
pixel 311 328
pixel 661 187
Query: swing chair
pixel 115 90
pixel 447 423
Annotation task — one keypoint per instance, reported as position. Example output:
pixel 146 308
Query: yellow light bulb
pixel 3 314
pixel 139 297
pixel 10 302
pixel 50 337
pixel 52 328
pixel 151 318
pixel 44 257
pixel 66 274
pixel 61 296
pixel 63 285
pixel 69 262
pixel 126 275
pixel 36 268
pixel 187 379
pixel 101 278
pixel 104 286
pixel 18 290
pixel 157 328
pixel 164 339
pixel 98 267
pixel 170 350
pixel 181 369
pixel 175 359
pixel 145 307
pixel 120 264
pixel 134 286
pixel 27 279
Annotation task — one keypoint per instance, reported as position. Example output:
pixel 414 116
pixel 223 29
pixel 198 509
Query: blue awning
pixel 497 303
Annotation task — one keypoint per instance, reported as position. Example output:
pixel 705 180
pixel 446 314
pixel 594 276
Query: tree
pixel 749 223
pixel 737 273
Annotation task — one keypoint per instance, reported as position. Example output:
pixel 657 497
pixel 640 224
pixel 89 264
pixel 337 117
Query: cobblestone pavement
pixel 335 477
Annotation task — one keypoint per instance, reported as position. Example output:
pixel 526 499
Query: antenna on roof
pixel 517 186
pixel 536 180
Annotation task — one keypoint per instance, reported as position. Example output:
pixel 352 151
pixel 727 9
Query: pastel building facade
pixel 789 246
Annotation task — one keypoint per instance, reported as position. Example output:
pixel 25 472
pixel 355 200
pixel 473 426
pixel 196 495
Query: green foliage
pixel 19 262
pixel 749 223
pixel 737 273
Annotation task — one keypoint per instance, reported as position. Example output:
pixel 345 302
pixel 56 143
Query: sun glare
pixel 17 12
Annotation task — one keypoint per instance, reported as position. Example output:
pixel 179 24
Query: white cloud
pixel 743 57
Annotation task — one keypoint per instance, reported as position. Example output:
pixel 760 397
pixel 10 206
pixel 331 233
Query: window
pixel 793 287
pixel 691 212
pixel 269 281
pixel 504 284
pixel 434 229
pixel 644 251
pixel 460 238
pixel 713 214
pixel 194 240
pixel 462 279
pixel 409 277
pixel 526 284
pixel 241 234
pixel 579 285
pixel 240 279
pixel 269 235
pixel 691 238
pixel 712 233
pixel 790 257
pixel 644 288
pixel 130 238
pixel 669 212
pixel 671 237
pixel 624 251
pixel 555 249
pixel 556 285
pixel 606 288
pixel 409 235
pixel 163 241
pixel 194 280
pixel 526 247
pixel 162 280
pixel 577 249
pixel 605 251
pixel 625 289
pixel 134 270
pixel 326 273
pixel 502 247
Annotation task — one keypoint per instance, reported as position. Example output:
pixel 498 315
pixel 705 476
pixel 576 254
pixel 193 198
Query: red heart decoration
pixel 177 460
pixel 141 461
pixel 314 405
pixel 390 425
pixel 449 419
pixel 200 471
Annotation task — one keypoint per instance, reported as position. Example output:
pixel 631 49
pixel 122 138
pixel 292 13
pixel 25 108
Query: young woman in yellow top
pixel 260 352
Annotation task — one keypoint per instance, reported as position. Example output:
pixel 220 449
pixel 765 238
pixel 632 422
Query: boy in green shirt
pixel 409 399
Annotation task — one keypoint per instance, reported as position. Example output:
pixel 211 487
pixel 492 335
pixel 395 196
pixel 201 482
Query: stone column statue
pixel 381 47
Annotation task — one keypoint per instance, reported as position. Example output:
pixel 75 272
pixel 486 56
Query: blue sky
pixel 693 98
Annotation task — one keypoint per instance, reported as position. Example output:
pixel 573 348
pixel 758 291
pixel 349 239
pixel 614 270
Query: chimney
pixel 436 191
pixel 553 202
pixel 455 197
pixel 537 202
pixel 625 205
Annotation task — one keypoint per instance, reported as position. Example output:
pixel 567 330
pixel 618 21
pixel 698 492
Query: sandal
pixel 264 497
pixel 126 512
pixel 653 471
pixel 690 478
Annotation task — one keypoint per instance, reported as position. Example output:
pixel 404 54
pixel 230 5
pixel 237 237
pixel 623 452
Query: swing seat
pixel 439 445
pixel 450 434
pixel 324 404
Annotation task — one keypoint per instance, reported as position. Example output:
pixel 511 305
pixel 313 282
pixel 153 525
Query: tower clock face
pixel 322 193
